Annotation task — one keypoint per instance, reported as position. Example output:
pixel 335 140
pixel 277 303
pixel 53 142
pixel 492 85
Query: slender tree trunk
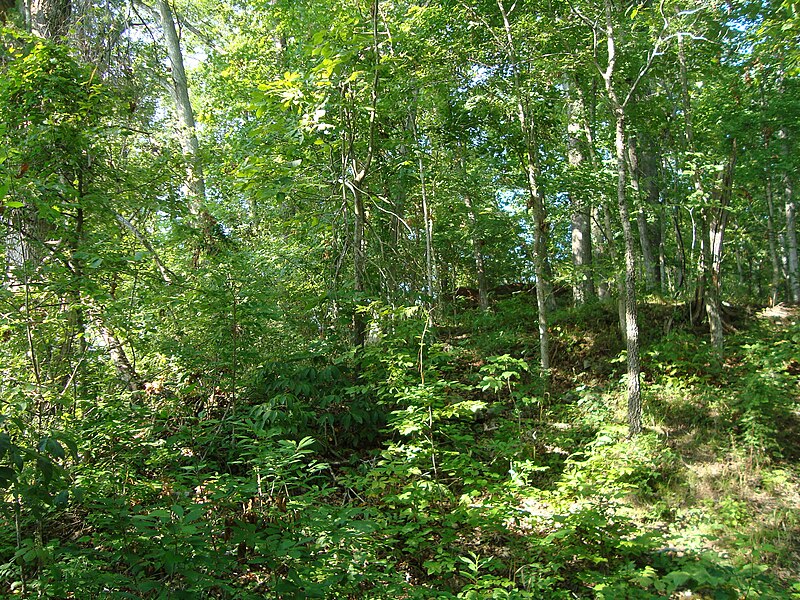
pixel 790 206
pixel 477 253
pixel 426 216
pixel 359 266
pixel 743 279
pixel 689 134
pixel 777 275
pixel 680 268
pixel 359 177
pixel 539 251
pixel 718 219
pixel 774 257
pixel 648 259
pixel 662 255
pixel 712 226
pixel 600 243
pixel 195 180
pixel 711 298
pixel 536 199
pixel 631 317
pixel 649 167
pixel 166 274
pixel 601 237
pixel 679 281
pixel 77 318
pixel 427 219
pixel 583 287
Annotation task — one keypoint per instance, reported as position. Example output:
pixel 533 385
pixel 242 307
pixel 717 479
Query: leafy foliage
pixel 183 412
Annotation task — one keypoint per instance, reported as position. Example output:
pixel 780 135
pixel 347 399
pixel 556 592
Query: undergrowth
pixel 426 466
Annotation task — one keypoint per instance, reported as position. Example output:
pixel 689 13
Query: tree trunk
pixel 793 268
pixel 717 221
pixel 477 245
pixel 600 243
pixel 631 317
pixel 357 188
pixel 536 199
pixel 50 19
pixel 648 260
pixel 359 266
pixel 539 251
pixel 777 275
pixel 581 234
pixel 712 225
pixel 119 358
pixel 680 268
pixel 195 181
pixel 427 219
pixel 662 255
pixel 649 168
pixel 426 216
pixel 601 237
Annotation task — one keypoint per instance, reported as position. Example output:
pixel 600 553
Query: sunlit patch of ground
pixel 728 501
pixel 781 313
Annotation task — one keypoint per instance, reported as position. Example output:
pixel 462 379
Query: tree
pixel 581 234
pixel 533 176
pixel 607 25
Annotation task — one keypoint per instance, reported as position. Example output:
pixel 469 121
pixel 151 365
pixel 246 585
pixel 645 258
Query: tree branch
pixel 167 275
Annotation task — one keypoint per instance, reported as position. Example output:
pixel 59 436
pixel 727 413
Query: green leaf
pixel 160 513
pixel 305 443
pixel 676 579
pixel 29 555
pixel 193 515
pixel 71 446
pixel 4 187
pixel 55 449
pixel 7 476
pixel 45 467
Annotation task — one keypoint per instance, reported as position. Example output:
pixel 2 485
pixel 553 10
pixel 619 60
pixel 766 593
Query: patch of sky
pixel 477 75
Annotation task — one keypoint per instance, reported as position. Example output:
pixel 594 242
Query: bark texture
pixel 631 316
pixel 790 209
pixel 536 198
pixel 581 223
pixel 195 182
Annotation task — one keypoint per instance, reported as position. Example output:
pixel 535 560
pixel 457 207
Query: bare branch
pixel 395 215
pixel 167 275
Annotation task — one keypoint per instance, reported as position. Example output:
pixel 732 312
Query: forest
pixel 386 299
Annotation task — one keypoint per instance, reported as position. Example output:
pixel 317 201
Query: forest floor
pixel 436 463
pixel 718 468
